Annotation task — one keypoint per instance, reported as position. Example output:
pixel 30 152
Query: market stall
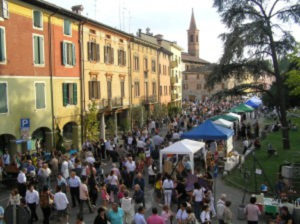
pixel 254 102
pixel 224 123
pixel 183 147
pixel 235 115
pixel 243 109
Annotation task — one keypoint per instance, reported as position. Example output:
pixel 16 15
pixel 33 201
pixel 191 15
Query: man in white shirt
pixel 22 182
pixel 181 215
pixel 130 165
pixel 32 199
pixel 61 203
pixel 139 217
pixel 6 158
pixel 65 169
pixel 74 184
pixel 127 206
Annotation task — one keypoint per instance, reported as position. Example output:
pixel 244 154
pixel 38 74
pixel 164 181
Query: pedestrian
pixel 131 167
pixel 139 217
pixel 220 208
pixel 21 179
pixel 27 217
pixel 198 195
pixel 61 181
pixel 167 214
pixel 116 214
pixel 14 197
pixel 155 218
pixel 61 204
pixel 1 215
pixel 181 214
pixel 158 188
pixel 32 200
pixel 168 186
pixel 252 211
pixel 140 181
pixel 84 196
pixel 127 206
pixel 191 219
pixel 65 168
pixel 79 219
pixel 74 184
pixel 227 213
pixel 205 215
pixel 46 200
pixel 113 183
pixel 104 195
pixel 93 189
pixel 101 216
pixel 138 196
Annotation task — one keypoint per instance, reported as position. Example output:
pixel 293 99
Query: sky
pixel 170 18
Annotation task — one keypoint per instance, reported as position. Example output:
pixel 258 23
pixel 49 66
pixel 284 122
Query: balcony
pixel 116 102
pixel 175 96
pixel 174 80
pixel 149 99
pixel 103 104
pixel 174 63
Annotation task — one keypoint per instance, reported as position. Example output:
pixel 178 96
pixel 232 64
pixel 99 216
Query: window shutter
pixel 98 90
pixel 111 55
pixel 42 60
pixel 75 93
pixel 119 57
pixel 97 52
pixel 3 98
pixel 64 53
pixel 73 55
pixel 2 45
pixel 105 55
pixel 65 94
pixel 89 50
pixel 124 61
pixel 36 49
pixel 90 90
pixel 5 13
pixel 1 8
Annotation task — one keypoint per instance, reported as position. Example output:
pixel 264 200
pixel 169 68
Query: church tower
pixel 193 38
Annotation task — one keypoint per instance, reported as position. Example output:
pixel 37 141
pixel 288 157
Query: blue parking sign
pixel 25 123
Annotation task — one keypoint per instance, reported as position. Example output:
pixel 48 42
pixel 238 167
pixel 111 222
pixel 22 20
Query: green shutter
pixel 37 19
pixel 40 95
pixel 41 42
pixel 2 45
pixel 3 98
pixel 90 90
pixel 75 93
pixel 73 55
pixel 36 49
pixel 89 50
pixel 64 53
pixel 65 94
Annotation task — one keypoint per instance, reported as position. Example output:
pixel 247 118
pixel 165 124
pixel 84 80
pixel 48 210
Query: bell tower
pixel 193 37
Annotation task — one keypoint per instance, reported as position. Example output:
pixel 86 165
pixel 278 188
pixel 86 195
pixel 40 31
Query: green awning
pixel 225 117
pixel 242 108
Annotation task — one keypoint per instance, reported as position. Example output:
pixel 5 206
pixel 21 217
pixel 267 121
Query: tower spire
pixel 193 22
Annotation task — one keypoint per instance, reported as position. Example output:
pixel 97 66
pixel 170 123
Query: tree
pixel 251 46
pixel 91 123
pixel 293 76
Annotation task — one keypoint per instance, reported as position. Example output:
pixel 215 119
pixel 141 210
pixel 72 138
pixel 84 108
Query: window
pixel 38 50
pixel 93 51
pixel 153 66
pixel 121 57
pixel 154 88
pixel 191 38
pixel 109 93
pixel 4 9
pixel 37 19
pixel 2 45
pixel 159 69
pixel 198 86
pixel 3 98
pixel 94 90
pixel 145 64
pixel 160 90
pixel 69 94
pixel 136 89
pixel 136 63
pixel 122 84
pixel 68 54
pixel 67 27
pixel 40 101
pixel 164 69
pixel 108 54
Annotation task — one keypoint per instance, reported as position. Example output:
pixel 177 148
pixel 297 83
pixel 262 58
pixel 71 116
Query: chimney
pixel 78 9
pixel 159 38
pixel 139 32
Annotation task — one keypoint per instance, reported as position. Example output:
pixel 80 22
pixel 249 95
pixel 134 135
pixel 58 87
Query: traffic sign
pixel 25 123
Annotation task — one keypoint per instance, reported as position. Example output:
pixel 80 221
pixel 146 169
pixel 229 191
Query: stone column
pixel 102 126
pixel 116 123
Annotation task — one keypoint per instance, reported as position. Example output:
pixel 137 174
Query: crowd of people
pixel 109 177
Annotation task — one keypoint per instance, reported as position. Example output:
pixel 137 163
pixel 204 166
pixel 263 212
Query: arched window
pixel 191 38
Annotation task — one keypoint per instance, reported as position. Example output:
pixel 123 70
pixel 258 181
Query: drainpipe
pixel 51 65
pixel 82 82
pixel 130 82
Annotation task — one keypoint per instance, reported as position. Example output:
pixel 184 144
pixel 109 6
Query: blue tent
pixel 208 131
pixel 254 102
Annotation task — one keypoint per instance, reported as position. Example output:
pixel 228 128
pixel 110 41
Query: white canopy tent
pixel 224 123
pixel 183 147
pixel 235 115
